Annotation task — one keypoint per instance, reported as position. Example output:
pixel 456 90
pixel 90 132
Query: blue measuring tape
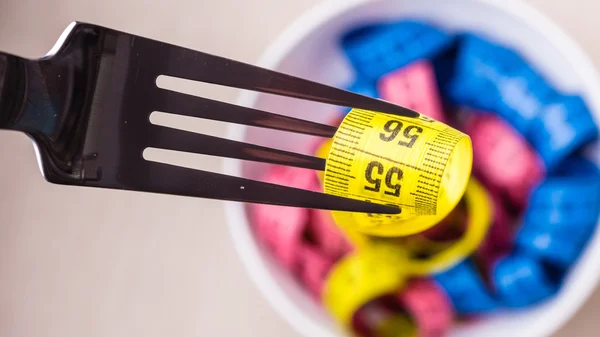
pixel 466 289
pixel 375 50
pixel 563 125
pixel 562 214
pixel 491 77
pixel 577 165
pixel 568 204
pixel 521 281
pixel 560 250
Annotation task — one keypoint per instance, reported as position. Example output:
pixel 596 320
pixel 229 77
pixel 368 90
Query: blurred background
pixel 91 263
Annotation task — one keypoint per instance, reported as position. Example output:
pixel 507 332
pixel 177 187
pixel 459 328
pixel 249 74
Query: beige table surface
pixel 78 262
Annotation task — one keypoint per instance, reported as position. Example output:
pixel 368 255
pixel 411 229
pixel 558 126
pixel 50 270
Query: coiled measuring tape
pixel 442 256
pixel 383 317
pixel 382 265
pixel 475 209
pixel 420 165
pixel 362 276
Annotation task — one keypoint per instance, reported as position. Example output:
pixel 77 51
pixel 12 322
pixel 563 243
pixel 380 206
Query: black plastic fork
pixel 87 104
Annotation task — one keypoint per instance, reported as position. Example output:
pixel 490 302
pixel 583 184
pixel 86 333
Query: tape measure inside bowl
pixel 439 256
pixel 381 266
pixel 418 164
pixel 362 276
pixel 478 208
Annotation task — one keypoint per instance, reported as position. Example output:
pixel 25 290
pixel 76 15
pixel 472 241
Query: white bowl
pixel 309 49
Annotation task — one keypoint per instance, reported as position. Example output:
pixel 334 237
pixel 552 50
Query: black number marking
pixel 413 137
pixel 392 178
pixel 369 175
pixel 388 181
pixel 393 127
pixel 388 128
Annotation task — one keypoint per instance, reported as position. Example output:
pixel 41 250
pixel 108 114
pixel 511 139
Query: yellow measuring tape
pixel 418 164
pixel 380 321
pixel 381 266
pixel 361 276
pixel 440 256
pixel 397 326
pixel 446 255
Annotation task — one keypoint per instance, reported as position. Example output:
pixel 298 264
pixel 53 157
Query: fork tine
pixel 170 179
pixel 198 66
pixel 188 105
pixel 179 140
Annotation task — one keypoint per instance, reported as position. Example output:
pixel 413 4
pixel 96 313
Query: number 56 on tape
pixel 418 164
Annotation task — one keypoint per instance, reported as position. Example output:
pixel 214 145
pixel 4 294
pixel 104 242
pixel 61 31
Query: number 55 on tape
pixel 418 164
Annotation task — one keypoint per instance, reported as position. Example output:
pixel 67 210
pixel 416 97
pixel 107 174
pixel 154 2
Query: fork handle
pixel 3 84
pixel 12 89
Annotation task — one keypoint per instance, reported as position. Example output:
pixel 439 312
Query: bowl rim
pixel 273 55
